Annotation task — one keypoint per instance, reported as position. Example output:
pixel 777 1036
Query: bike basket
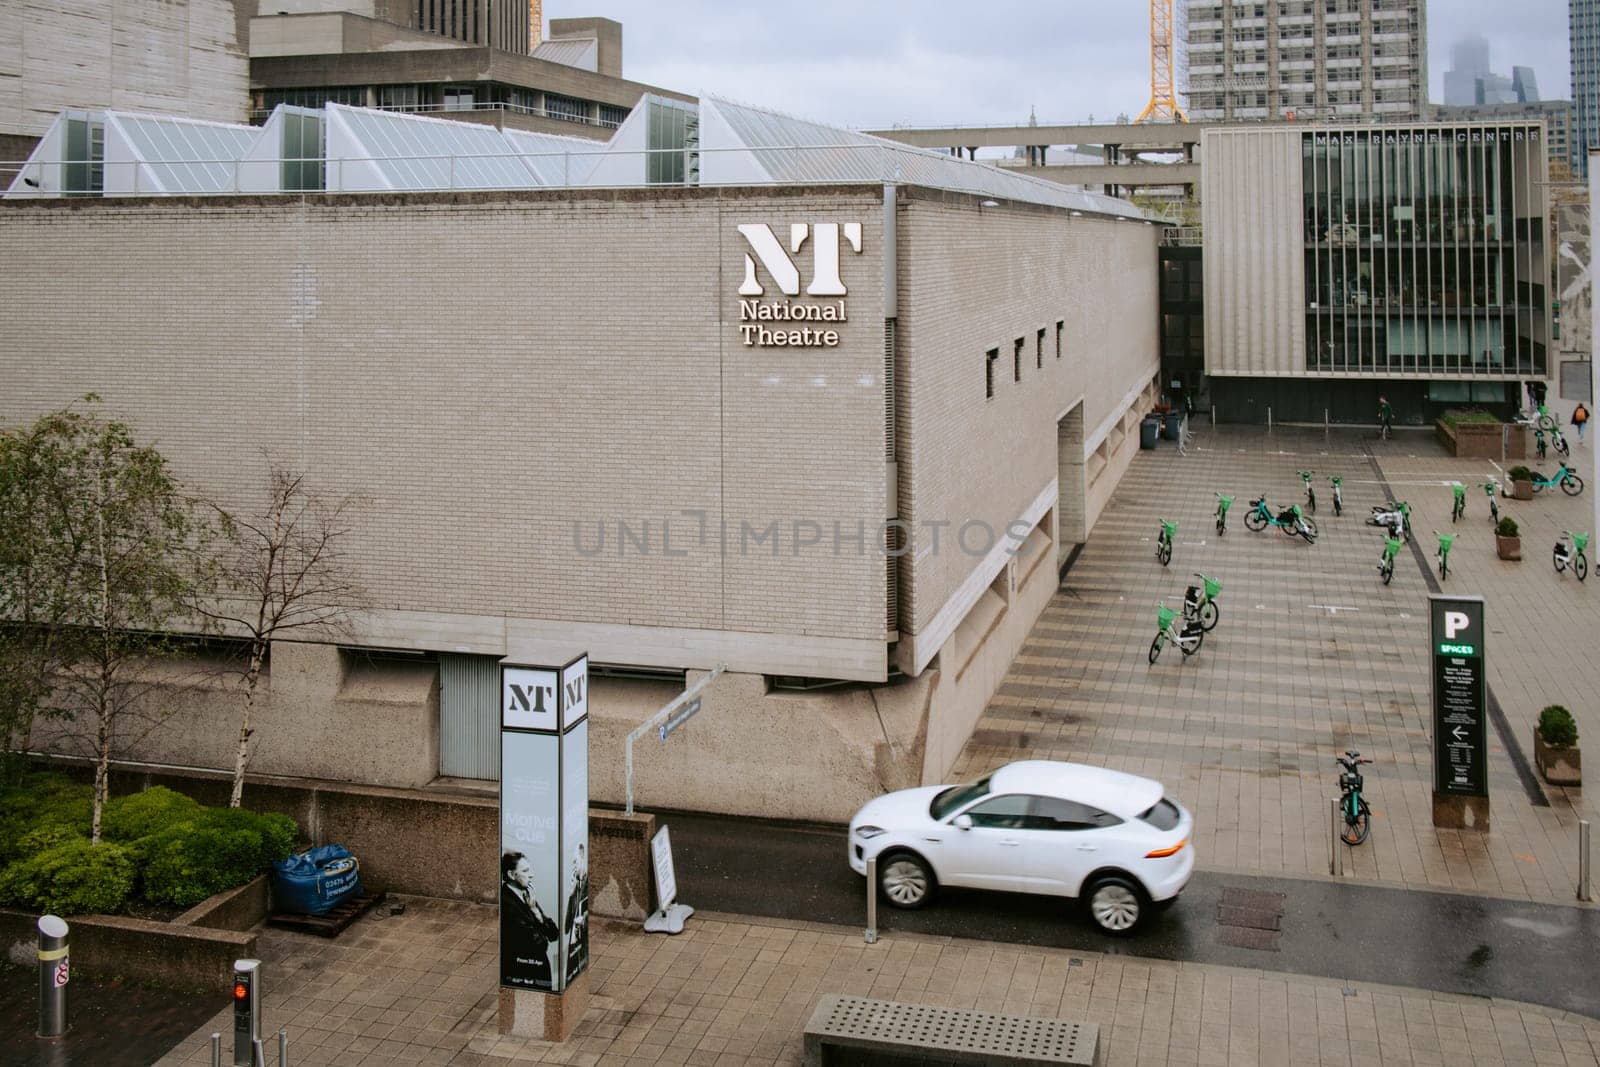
pixel 1164 617
pixel 1212 587
pixel 1580 541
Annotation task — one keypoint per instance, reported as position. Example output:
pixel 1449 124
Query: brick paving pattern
pixel 1312 655
pixel 419 989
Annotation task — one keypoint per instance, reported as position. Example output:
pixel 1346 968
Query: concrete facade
pixel 602 462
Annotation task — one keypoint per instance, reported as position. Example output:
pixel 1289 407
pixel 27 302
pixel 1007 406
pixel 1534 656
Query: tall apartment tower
pixel 1583 39
pixel 1257 59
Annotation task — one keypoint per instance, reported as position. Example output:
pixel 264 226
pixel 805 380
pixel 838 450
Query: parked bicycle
pixel 1164 542
pixel 1459 508
pixel 1352 805
pixel 1491 489
pixel 1187 638
pixel 1391 549
pixel 1291 520
pixel 1565 477
pixel 1558 441
pixel 1200 602
pixel 1540 418
pixel 1394 516
pixel 1539 449
pixel 1223 504
pixel 1570 553
pixel 1338 493
pixel 1311 494
pixel 1443 553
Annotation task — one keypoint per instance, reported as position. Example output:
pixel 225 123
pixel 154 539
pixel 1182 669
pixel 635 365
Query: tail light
pixel 1162 853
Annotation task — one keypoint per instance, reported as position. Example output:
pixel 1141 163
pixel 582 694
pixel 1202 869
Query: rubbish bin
pixel 1149 431
pixel 1172 425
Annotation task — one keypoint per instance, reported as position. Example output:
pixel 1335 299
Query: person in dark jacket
pixel 577 918
pixel 526 932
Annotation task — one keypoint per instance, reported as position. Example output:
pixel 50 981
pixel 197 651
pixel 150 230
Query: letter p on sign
pixel 1454 623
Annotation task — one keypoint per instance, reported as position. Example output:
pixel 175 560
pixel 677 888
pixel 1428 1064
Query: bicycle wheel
pixel 1387 570
pixel 1309 533
pixel 1255 521
pixel 1155 648
pixel 1311 502
pixel 1556 561
pixel 1562 446
pixel 1164 552
pixel 1580 567
pixel 1187 651
pixel 1444 567
pixel 1338 507
pixel 1547 422
pixel 1209 614
pixel 1572 485
pixel 1355 830
pixel 1222 527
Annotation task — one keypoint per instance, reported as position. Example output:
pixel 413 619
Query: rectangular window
pixel 1016 360
pixel 302 151
pixel 565 107
pixel 86 153
pixel 990 358
pixel 1060 325
pixel 1038 350
pixel 398 97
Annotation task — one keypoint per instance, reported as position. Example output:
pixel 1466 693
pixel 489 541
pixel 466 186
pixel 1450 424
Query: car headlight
pixel 867 833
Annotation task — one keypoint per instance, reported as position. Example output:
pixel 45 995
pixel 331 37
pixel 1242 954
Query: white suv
pixel 1037 826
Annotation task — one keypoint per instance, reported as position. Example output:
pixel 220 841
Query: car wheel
pixel 1116 905
pixel 905 880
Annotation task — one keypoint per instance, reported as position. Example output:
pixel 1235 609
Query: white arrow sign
pixel 1459 734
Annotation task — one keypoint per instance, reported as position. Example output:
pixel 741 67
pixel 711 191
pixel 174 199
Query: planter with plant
pixel 1507 542
pixel 1555 747
pixel 1521 482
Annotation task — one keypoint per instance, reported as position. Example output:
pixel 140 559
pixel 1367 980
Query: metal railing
pixel 262 114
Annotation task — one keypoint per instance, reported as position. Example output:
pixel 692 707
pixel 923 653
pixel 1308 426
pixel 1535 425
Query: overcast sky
pixel 876 63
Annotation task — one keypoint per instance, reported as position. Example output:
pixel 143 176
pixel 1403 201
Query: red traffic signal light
pixel 241 990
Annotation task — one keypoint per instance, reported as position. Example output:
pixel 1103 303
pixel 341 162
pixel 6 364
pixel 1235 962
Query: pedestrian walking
pixel 1580 419
pixel 1385 417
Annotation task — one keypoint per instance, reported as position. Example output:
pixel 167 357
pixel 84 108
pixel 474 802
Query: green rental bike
pixel 1311 494
pixel 1570 553
pixel 1164 542
pixel 1223 504
pixel 1291 520
pixel 1445 541
pixel 1569 482
pixel 1491 489
pixel 1459 508
pixel 1352 805
pixel 1200 602
pixel 1338 493
pixel 1391 549
pixel 1187 638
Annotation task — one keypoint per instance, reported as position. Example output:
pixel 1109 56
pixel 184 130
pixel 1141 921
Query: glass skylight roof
pixel 392 150
pixel 555 160
pixel 178 155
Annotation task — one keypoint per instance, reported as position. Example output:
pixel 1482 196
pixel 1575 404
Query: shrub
pixel 218 849
pixel 142 814
pixel 1456 415
pixel 72 878
pixel 1520 474
pixel 1507 527
pixel 1557 727
pixel 38 801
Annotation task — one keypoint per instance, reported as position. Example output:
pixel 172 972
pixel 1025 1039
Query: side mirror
pixel 962 822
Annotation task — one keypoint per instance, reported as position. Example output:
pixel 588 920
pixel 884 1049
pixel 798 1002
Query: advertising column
pixel 544 834
pixel 1460 713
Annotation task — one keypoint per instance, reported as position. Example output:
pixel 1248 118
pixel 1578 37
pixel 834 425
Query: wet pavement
pixel 113 1022
pixel 1452 943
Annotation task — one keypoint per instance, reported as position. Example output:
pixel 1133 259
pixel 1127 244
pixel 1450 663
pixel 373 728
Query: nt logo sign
pixel 759 319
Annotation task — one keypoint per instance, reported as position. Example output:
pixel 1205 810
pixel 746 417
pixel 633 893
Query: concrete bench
pixel 856 1030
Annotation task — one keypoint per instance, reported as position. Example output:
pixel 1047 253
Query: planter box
pixel 1522 490
pixel 1557 766
pixel 1508 547
pixel 1482 440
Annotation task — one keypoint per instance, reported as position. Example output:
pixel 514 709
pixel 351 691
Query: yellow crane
pixel 535 23
pixel 1163 105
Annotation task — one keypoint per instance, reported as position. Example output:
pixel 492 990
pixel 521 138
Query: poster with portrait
pixel 544 806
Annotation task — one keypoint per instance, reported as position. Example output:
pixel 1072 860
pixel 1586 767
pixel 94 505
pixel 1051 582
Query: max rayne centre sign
pixel 768 319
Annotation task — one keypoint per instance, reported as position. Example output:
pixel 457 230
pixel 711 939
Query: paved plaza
pixel 1312 655
pixel 419 989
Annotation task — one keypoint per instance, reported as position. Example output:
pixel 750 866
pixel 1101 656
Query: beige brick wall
pixel 974 278
pixel 492 369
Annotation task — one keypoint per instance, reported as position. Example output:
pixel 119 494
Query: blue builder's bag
pixel 316 882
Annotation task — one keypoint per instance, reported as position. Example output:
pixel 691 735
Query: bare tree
pixel 283 573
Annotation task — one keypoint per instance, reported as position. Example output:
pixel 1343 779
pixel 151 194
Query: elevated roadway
pixel 1144 137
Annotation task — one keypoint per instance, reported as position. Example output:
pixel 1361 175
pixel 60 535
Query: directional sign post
pixel 1460 713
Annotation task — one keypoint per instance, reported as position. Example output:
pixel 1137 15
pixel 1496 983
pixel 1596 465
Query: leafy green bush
pixel 1557 727
pixel 38 801
pixel 218 849
pixel 144 813
pixel 73 878
pixel 1507 527
pixel 1455 416
pixel 1520 474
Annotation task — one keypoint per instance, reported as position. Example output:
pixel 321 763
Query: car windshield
pixel 957 797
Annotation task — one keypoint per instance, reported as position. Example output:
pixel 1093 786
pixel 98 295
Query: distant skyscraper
pixel 1494 89
pixel 1525 85
pixel 1583 41
pixel 1266 60
pixel 1469 61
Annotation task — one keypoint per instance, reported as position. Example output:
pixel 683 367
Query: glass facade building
pixel 1583 40
pixel 1425 251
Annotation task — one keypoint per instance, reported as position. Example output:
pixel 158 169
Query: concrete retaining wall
pixel 163 953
